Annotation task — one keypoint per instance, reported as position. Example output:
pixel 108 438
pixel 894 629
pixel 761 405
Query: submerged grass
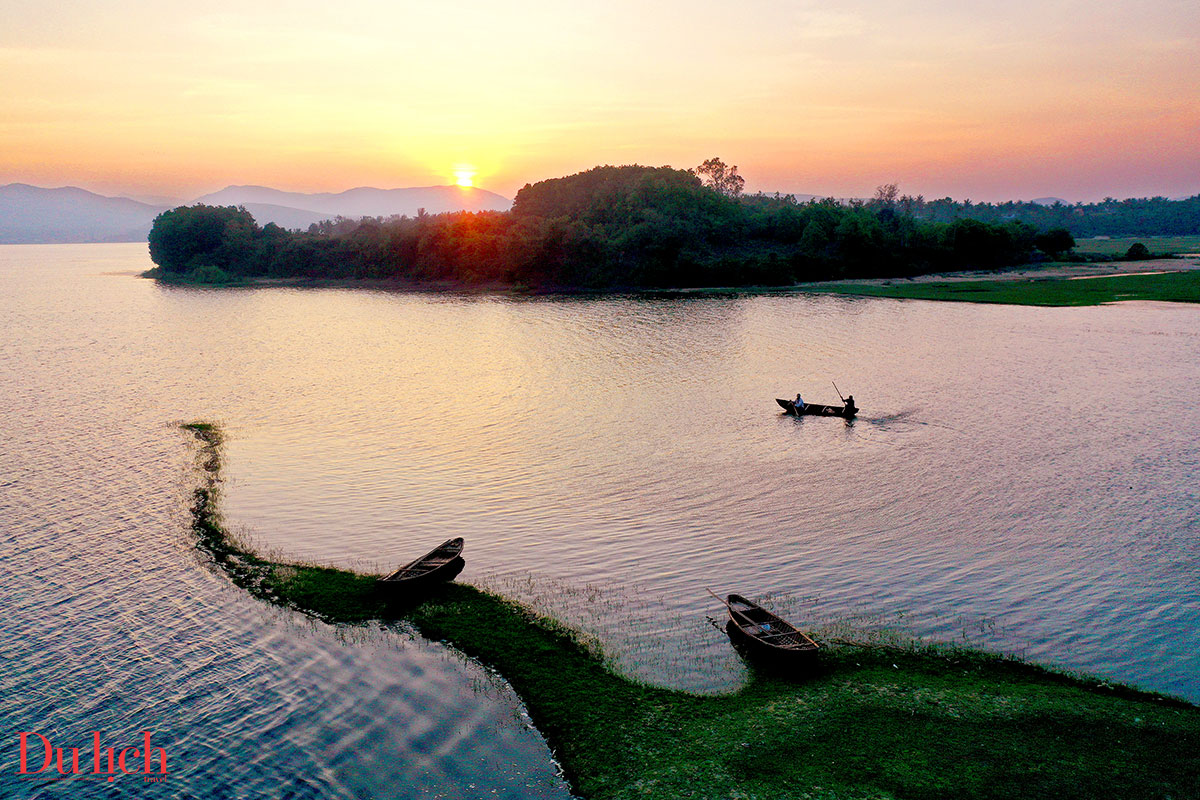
pixel 871 723
pixel 1180 287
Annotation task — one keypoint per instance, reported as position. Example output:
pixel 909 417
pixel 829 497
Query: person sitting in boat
pixel 798 403
pixel 850 407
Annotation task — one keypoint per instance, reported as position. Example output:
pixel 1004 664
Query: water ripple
pixel 1022 478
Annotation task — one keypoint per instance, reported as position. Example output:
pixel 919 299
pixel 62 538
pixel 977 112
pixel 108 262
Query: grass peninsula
pixel 1169 286
pixel 921 724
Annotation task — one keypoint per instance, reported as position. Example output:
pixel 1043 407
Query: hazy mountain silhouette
pixel 31 215
pixel 361 202
pixel 295 219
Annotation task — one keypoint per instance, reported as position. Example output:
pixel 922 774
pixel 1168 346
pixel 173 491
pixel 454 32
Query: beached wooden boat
pixel 768 636
pixel 816 409
pixel 440 564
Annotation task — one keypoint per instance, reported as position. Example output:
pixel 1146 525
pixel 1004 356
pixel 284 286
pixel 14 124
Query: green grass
pixel 924 724
pixel 1179 287
pixel 200 276
pixel 1157 245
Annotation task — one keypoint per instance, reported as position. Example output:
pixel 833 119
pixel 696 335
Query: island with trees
pixel 608 228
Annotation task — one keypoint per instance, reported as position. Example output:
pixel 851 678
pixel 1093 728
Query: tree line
pixel 1146 216
pixel 605 228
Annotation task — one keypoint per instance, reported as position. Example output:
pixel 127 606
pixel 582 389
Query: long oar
pixel 725 603
pixel 714 594
pixel 839 392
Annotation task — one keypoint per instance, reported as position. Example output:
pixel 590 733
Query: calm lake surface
pixel 1020 479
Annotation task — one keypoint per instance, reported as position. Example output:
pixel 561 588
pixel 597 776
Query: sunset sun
pixel 452 477
pixel 464 176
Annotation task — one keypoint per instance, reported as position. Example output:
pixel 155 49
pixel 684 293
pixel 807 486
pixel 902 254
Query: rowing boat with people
pixel 816 409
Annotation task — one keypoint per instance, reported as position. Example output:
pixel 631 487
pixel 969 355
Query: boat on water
pixel 442 563
pixel 818 410
pixel 768 636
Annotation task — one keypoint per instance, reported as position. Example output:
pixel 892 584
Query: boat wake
pixel 906 416
pixel 902 419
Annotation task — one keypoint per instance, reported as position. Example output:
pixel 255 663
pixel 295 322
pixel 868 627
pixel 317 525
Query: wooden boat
pixel 440 564
pixel 816 409
pixel 768 636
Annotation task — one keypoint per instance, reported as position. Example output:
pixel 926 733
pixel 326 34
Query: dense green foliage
pixel 921 724
pixel 1054 242
pixel 1134 217
pixel 203 236
pixel 1179 287
pixel 1136 252
pixel 608 227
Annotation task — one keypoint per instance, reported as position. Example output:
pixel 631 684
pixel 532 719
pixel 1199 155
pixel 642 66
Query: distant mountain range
pixel 32 215
pixel 361 202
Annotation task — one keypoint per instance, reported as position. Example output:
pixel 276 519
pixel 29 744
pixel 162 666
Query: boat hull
pixel 771 658
pixel 816 410
pixel 440 565
pixel 406 588
pixel 767 639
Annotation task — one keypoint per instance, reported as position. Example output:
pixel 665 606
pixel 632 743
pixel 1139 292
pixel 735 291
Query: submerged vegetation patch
pixel 919 724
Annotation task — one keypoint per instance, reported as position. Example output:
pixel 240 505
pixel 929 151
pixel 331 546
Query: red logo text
pixel 40 757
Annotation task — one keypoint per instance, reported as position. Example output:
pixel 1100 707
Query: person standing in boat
pixel 850 407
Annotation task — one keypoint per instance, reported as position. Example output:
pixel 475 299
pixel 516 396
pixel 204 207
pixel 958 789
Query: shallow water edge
pixel 611 733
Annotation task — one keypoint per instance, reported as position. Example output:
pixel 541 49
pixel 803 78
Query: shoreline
pixel 928 286
pixel 1047 270
pixel 1053 285
pixel 924 722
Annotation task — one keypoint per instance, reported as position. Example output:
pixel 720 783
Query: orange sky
pixel 1072 99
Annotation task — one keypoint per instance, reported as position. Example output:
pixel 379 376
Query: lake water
pixel 1022 479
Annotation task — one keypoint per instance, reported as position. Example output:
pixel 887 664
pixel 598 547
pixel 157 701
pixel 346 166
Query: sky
pixel 985 101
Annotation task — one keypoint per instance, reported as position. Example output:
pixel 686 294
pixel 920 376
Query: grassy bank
pixel 1157 245
pixel 1178 287
pixel 200 276
pixel 870 724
